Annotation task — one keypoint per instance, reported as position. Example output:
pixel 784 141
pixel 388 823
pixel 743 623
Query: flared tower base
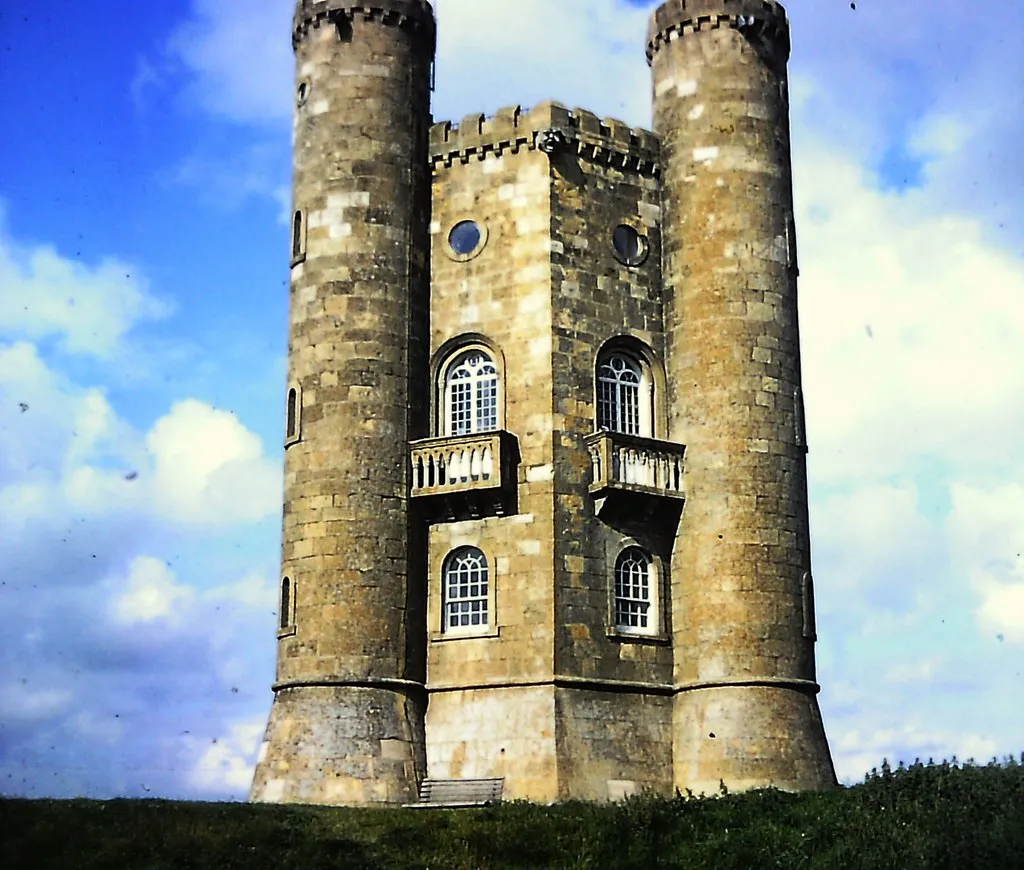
pixel 343 746
pixel 751 736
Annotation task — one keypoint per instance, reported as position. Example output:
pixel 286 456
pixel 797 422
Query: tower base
pixel 341 745
pixel 751 736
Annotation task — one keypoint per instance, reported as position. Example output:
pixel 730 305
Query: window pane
pixel 618 395
pixel 633 593
pixel 472 398
pixel 466 588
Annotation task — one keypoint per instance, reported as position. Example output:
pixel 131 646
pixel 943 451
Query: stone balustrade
pixel 441 466
pixel 631 463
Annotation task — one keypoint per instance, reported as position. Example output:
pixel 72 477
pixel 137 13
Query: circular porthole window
pixel 466 239
pixel 631 248
pixel 302 92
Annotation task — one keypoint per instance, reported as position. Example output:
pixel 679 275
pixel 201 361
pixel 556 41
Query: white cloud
pixel 914 672
pixel 874 540
pixel 856 752
pixel 88 309
pixel 587 53
pixel 227 764
pixel 209 469
pixel 19 703
pixel 489 54
pixel 986 526
pixel 150 592
pixel 240 56
pixel 911 326
pixel 1002 611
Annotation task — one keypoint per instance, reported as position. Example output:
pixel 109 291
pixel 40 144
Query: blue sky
pixel 143 294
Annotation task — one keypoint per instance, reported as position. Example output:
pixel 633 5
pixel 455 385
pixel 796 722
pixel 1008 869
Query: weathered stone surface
pixel 357 349
pixel 742 547
pixel 550 696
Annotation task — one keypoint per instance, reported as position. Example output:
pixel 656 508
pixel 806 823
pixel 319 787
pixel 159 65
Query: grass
pixel 945 815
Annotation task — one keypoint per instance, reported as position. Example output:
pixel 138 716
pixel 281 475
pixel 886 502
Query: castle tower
pixel 346 725
pixel 742 602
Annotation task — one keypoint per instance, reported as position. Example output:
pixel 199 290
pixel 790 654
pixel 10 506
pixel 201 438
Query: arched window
pixel 618 394
pixel 466 590
pixel 285 615
pixel 471 394
pixel 636 599
pixel 293 414
pixel 625 394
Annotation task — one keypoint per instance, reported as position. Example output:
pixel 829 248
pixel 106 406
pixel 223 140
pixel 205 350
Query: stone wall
pixel 743 548
pixel 346 726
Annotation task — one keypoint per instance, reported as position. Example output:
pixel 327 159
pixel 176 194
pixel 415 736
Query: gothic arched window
pixel 636 593
pixel 471 394
pixel 466 591
pixel 623 395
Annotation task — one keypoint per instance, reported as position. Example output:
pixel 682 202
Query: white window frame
pixel 610 376
pixel 482 597
pixel 478 382
pixel 652 579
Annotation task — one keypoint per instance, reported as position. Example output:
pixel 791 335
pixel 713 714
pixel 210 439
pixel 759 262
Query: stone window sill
pixel 441 636
pixel 623 636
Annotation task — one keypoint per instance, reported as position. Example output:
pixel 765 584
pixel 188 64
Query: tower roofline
pixel 765 19
pixel 415 15
pixel 607 140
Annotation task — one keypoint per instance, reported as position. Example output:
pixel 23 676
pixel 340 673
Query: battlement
pixel 414 15
pixel 608 141
pixel 765 19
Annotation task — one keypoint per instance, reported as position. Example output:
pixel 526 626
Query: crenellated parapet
pixel 763 20
pixel 414 15
pixel 549 126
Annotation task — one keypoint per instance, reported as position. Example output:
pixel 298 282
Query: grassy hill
pixel 925 816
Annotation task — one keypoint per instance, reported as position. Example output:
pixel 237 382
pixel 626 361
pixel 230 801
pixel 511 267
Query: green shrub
pixel 947 815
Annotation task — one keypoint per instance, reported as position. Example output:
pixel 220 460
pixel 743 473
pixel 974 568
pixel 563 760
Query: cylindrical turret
pixel 742 610
pixel 347 722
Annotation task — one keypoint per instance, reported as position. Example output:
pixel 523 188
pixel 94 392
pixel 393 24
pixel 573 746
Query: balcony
pixel 635 479
pixel 466 476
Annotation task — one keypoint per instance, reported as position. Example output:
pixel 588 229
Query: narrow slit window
pixel 807 590
pixel 293 412
pixel 286 603
pixel 297 235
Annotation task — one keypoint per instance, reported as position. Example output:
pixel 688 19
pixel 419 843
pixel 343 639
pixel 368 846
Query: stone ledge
pixel 765 19
pixel 607 141
pixel 415 15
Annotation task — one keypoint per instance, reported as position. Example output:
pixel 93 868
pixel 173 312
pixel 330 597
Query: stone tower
pixel 545 520
pixel 347 721
pixel 746 708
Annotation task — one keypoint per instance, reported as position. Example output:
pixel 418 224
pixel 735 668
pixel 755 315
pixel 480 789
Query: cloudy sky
pixel 143 293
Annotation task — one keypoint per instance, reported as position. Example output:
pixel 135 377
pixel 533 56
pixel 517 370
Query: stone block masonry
pixel 545 513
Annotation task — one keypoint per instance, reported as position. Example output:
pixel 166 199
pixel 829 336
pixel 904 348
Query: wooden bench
pixel 440 793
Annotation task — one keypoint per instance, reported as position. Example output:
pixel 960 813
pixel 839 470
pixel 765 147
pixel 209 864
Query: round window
pixel 466 239
pixel 630 247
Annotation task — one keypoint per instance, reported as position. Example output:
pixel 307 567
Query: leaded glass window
pixel 619 379
pixel 472 394
pixel 466 582
pixel 634 591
